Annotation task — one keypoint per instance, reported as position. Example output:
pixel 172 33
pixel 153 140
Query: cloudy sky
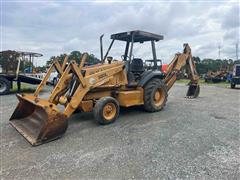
pixel 54 27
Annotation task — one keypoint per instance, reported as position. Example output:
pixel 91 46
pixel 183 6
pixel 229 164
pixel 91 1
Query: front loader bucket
pixel 193 91
pixel 38 120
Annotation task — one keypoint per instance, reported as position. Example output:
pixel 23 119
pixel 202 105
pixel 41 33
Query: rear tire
pixel 155 95
pixel 106 110
pixel 5 86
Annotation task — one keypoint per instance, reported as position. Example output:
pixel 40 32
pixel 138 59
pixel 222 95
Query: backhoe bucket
pixel 193 91
pixel 38 120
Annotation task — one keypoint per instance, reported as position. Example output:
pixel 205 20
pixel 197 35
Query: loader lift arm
pixel 55 65
pixel 180 61
pixel 40 120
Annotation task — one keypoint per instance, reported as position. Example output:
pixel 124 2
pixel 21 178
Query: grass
pixel 27 88
pixel 202 82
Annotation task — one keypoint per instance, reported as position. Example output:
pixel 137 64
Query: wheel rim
pixel 158 97
pixel 3 87
pixel 109 111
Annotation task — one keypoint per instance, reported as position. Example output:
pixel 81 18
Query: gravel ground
pixel 189 139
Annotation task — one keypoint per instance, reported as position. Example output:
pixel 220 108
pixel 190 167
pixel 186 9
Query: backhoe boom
pixel 180 61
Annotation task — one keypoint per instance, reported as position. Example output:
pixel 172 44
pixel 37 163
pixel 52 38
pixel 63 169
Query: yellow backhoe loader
pixel 102 88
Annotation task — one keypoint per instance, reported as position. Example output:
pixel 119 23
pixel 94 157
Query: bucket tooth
pixel 193 91
pixel 38 121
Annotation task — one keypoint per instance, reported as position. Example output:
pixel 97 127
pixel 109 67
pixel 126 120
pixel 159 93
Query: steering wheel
pixel 127 57
pixel 122 57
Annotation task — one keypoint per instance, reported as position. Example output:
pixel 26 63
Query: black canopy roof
pixel 19 53
pixel 139 36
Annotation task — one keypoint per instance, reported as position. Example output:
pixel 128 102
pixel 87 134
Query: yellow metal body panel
pixel 86 106
pixel 97 95
pixel 130 98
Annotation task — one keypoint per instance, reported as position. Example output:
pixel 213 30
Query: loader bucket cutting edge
pixel 37 123
pixel 193 91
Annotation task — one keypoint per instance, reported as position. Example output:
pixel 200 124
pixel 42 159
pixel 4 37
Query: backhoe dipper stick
pixel 179 61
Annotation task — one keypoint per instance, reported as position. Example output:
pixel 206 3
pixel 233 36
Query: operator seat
pixel 136 70
pixel 136 66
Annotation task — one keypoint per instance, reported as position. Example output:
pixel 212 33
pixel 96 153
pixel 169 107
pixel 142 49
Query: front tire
pixel 5 86
pixel 106 110
pixel 155 95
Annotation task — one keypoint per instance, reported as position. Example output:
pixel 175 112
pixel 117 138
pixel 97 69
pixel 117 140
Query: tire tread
pixel 148 90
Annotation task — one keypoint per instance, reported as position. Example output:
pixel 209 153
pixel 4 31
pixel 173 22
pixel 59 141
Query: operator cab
pixel 135 65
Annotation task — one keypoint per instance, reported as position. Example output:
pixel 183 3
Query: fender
pixel 148 75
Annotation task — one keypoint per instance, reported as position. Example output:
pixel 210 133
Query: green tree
pixel 237 62
pixel 60 58
pixel 196 59
pixel 74 55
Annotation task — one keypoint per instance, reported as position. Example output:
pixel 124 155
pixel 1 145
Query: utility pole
pixel 236 51
pixel 219 51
